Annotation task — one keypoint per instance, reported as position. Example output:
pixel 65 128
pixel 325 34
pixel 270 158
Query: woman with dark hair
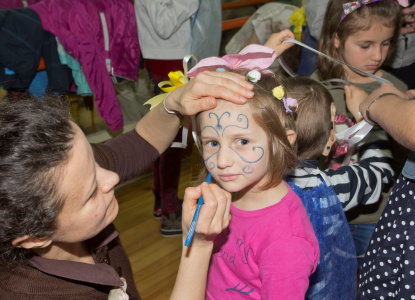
pixel 57 199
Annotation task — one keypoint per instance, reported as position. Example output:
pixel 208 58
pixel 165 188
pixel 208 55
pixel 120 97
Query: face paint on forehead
pixel 225 121
pixel 247 154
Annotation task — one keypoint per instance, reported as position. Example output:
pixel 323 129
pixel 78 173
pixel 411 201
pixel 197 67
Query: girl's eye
pixel 242 142
pixel 212 143
pixel 386 43
pixel 364 46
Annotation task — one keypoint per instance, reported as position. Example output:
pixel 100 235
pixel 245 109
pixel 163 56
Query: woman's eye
pixel 386 44
pixel 242 142
pixel 364 46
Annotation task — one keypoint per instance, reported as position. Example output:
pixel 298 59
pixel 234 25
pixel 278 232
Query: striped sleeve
pixel 364 181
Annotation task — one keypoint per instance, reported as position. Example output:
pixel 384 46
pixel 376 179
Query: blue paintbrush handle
pixel 195 217
pixel 193 226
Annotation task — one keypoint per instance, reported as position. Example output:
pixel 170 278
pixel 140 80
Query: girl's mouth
pixel 228 177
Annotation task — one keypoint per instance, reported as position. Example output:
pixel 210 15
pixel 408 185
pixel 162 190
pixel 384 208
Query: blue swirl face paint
pixel 234 146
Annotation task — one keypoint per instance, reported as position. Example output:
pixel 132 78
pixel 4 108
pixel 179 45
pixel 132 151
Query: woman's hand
pixel 214 215
pixel 384 88
pixel 200 93
pixel 275 41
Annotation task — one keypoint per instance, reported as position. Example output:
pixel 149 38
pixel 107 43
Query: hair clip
pixel 350 7
pixel 253 76
pixel 278 92
pixel 332 137
pixel 290 104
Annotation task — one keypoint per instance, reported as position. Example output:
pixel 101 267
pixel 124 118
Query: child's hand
pixel 407 20
pixel 410 94
pixel 354 96
pixel 214 216
pixel 275 41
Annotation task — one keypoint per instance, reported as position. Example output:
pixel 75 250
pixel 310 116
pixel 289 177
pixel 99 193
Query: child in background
pixel 164 30
pixel 270 249
pixel 363 37
pixel 325 194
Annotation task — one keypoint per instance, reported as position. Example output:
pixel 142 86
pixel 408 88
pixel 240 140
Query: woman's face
pixel 88 191
pixel 235 147
pixel 367 49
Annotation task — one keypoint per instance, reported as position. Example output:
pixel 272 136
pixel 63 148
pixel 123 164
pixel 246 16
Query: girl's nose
pixel 225 158
pixel 377 54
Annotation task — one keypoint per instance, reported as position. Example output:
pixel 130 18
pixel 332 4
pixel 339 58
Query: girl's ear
pixel 291 136
pixel 336 41
pixel 29 242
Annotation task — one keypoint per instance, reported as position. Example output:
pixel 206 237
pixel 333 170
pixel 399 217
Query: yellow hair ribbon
pixel 176 79
pixel 298 20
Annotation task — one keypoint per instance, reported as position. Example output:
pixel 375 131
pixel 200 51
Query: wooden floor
pixel 154 259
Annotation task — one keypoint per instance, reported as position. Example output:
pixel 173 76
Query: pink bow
pixel 251 57
pixel 403 3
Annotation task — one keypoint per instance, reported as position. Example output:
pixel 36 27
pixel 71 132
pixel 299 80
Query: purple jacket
pixel 101 50
pixel 13 4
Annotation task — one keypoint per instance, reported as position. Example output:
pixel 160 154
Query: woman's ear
pixel 29 242
pixel 291 136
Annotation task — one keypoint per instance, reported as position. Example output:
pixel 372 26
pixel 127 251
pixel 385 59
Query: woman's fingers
pixel 221 203
pixel 202 91
pixel 191 196
pixel 226 85
pixel 214 214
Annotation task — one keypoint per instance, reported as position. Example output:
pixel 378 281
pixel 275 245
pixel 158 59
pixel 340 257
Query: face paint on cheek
pixel 250 156
pixel 209 161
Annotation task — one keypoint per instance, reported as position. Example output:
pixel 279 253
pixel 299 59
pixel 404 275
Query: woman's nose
pixel 108 180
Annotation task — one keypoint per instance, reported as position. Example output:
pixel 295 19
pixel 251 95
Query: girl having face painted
pixel 269 250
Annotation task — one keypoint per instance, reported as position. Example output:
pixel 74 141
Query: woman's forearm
pixel 396 116
pixel 192 275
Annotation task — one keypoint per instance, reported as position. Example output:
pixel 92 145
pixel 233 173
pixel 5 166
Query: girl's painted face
pixel 90 204
pixel 367 50
pixel 235 147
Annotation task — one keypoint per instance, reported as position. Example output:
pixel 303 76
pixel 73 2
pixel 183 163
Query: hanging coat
pixel 102 36
pixel 24 42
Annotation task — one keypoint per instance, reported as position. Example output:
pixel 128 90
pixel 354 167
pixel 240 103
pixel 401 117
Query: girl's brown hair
pixel 385 12
pixel 269 113
pixel 313 124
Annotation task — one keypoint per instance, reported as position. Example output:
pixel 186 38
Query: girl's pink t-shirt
pixel 264 254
